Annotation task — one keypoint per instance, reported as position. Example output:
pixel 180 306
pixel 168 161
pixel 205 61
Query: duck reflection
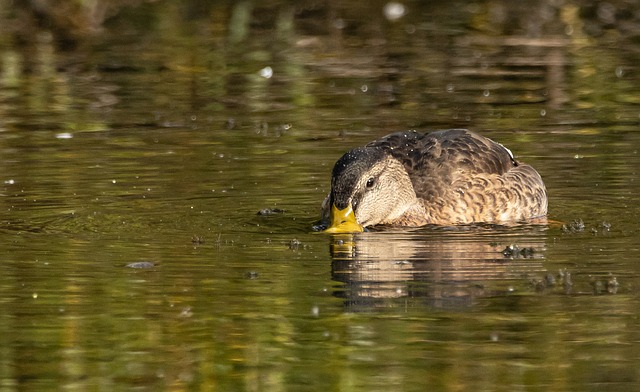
pixel 444 268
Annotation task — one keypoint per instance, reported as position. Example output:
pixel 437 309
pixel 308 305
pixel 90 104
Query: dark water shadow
pixel 436 267
pixel 45 223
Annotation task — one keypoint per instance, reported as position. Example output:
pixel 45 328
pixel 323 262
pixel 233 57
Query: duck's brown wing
pixel 443 154
pixel 466 177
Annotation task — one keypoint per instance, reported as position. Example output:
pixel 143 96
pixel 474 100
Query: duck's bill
pixel 343 221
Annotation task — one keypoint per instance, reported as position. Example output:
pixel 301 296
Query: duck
pixel 446 177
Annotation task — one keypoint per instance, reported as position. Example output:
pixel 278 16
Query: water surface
pixel 196 141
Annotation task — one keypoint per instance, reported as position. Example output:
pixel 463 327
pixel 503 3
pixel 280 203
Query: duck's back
pixel 463 177
pixel 446 150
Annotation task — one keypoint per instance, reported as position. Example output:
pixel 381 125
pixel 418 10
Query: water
pixel 156 141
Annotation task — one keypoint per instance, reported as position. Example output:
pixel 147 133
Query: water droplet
pixel 543 112
pixel 451 88
pixel 364 88
pixel 266 72
pixel 486 93
pixel 619 72
pixel 568 30
pixel 394 11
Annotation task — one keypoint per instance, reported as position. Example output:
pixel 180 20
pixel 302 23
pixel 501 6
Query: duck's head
pixel 368 187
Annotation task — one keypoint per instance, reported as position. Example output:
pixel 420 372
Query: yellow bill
pixel 343 221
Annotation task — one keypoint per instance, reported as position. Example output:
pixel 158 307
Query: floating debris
pixel 607 285
pixel 604 228
pixel 541 284
pixel 550 280
pixel 597 285
pixel 575 226
pixel 270 211
pixel 612 285
pixel 230 123
pixel 186 312
pixel 514 251
pixel 141 264
pixel 295 244
pixel 320 226
pixel 564 276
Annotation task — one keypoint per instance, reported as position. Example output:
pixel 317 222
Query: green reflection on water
pixel 156 133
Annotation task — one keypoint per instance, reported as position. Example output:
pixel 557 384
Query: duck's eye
pixel 370 182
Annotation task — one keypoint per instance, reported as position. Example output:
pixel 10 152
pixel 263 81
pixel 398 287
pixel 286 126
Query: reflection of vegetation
pixel 524 59
pixel 127 127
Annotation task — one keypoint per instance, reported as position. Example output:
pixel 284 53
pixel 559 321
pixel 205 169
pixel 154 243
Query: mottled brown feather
pixel 457 177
